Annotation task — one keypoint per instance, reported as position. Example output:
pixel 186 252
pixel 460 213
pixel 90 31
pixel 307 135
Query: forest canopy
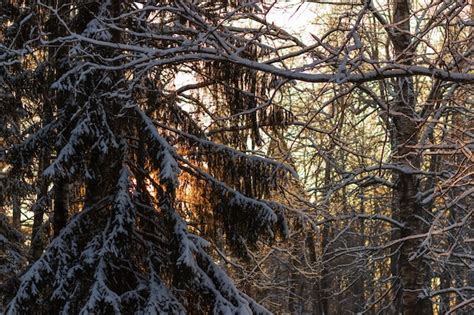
pixel 236 157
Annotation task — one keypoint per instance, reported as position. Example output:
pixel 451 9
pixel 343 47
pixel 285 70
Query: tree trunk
pixel 61 206
pixel 16 205
pixel 55 55
pixel 39 207
pixel 412 271
pixel 325 281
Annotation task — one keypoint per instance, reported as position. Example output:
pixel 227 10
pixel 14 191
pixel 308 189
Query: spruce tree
pixel 110 136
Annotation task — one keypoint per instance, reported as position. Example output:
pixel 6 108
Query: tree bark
pixel 16 205
pixel 55 56
pixel 411 268
pixel 37 244
pixel 61 206
pixel 324 285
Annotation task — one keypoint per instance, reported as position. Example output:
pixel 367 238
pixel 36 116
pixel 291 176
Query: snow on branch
pixel 123 213
pixel 48 269
pixel 20 154
pixel 231 152
pixel 266 217
pixel 169 169
pixel 160 298
pixel 13 257
pixel 227 299
pixel 59 167
pixel 101 293
pixel 118 229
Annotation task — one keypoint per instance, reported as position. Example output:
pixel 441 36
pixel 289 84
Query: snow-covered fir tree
pixel 111 137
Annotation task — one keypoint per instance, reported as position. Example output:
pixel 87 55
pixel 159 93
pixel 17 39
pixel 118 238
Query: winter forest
pixel 237 157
